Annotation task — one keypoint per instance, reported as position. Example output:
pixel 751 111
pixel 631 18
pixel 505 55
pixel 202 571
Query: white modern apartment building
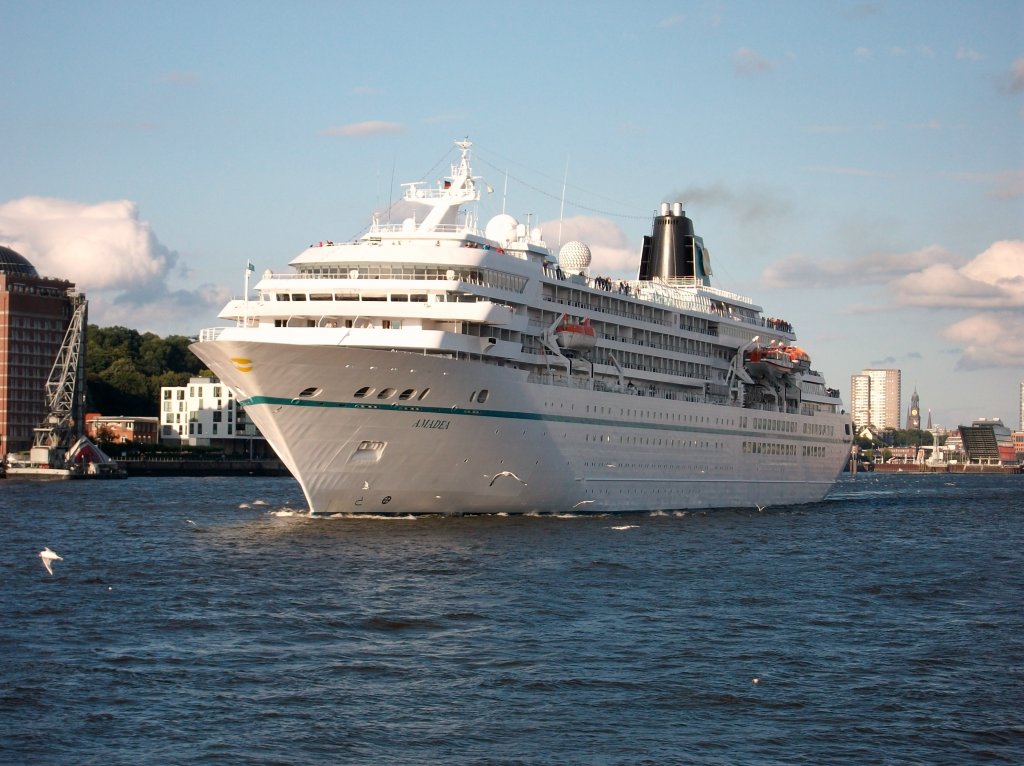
pixel 875 398
pixel 204 413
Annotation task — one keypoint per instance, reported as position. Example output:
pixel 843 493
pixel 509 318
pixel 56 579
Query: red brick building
pixel 122 429
pixel 34 316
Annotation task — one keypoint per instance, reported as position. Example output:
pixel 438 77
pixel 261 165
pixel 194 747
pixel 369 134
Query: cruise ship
pixel 432 366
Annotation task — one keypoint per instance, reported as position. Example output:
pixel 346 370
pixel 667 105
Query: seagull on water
pixel 48 558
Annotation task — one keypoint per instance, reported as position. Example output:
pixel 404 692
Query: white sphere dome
pixel 501 228
pixel 574 257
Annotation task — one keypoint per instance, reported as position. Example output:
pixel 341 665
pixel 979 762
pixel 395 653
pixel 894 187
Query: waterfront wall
pixel 227 467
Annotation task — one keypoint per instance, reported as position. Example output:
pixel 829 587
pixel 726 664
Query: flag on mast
pixel 249 266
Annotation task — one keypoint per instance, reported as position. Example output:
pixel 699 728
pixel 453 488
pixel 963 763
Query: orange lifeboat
pixel 801 361
pixel 575 335
pixel 768 361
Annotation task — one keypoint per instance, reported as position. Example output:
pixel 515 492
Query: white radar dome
pixel 501 228
pixel 574 257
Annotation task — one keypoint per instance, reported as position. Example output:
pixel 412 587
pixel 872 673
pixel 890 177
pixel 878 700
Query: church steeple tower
pixel 914 414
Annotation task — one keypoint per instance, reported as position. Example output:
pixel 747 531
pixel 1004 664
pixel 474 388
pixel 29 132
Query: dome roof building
pixel 15 263
pixel 34 316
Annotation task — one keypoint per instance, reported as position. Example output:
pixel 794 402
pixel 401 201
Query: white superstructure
pixel 433 367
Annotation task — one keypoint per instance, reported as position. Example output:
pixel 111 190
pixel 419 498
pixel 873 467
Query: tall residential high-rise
pixel 875 398
pixel 1022 406
pixel 34 316
pixel 860 400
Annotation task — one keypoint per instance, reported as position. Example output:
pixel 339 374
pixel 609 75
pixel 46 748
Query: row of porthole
pixel 387 393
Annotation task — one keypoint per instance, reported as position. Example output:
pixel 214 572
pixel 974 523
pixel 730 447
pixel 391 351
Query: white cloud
pixel 749 62
pixel 989 340
pixel 97 246
pixel 992 280
pixel 990 286
pixel 113 256
pixel 877 268
pixel 360 129
pixel 188 79
pixel 1017 76
pixel 1007 184
pixel 843 171
pixel 611 253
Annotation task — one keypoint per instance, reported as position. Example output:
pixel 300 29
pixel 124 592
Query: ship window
pixel 306 393
pixel 423 395
pixel 363 392
pixel 386 393
pixel 408 393
pixel 482 396
pixel 298 296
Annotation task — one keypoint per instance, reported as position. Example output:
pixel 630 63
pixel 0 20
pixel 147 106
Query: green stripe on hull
pixel 473 412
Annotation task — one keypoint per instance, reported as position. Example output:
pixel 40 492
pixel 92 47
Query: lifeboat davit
pixel 575 335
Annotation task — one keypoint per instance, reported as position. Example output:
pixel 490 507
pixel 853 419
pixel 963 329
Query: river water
pixel 198 621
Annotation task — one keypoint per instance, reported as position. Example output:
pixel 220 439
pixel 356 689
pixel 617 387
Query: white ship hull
pixel 529 448
pixel 431 367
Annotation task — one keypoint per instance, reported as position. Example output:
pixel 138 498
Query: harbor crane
pixel 60 448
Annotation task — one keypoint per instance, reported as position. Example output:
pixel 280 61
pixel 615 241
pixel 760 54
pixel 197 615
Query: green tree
pixel 125 369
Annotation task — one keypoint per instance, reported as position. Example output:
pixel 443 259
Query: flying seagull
pixel 509 474
pixel 48 558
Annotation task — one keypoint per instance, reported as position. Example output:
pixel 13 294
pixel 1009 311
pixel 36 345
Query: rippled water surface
pixel 210 621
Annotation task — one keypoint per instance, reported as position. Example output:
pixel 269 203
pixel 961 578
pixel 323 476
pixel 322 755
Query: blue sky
pixel 856 167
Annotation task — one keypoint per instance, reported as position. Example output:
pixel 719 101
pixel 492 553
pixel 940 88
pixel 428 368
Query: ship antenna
pixel 561 210
pixel 391 190
pixel 504 193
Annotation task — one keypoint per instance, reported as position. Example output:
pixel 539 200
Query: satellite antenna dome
pixel 501 228
pixel 574 257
